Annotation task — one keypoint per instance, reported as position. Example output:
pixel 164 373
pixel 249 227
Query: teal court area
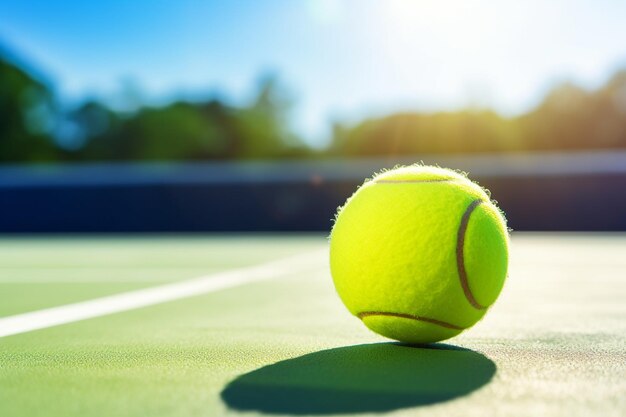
pixel 554 343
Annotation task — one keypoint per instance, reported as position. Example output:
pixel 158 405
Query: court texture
pixel 249 324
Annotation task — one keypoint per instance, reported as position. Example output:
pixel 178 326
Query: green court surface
pixel 553 345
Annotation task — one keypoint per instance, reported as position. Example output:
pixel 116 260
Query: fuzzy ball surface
pixel 419 253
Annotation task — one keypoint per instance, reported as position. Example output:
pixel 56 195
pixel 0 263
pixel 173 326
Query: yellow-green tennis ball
pixel 419 253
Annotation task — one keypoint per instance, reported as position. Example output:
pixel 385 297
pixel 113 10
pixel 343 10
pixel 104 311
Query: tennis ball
pixel 419 253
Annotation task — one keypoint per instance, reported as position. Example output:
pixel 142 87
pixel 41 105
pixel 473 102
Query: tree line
pixel 35 128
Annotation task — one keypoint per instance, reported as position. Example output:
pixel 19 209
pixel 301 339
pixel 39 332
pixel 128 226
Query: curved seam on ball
pixel 411 317
pixel 413 181
pixel 460 259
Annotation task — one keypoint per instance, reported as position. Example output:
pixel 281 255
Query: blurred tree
pixel 27 117
pixel 413 133
pixel 561 121
pixel 176 132
pixel 79 128
pixel 189 131
pixel 262 128
pixel 34 129
pixel 569 118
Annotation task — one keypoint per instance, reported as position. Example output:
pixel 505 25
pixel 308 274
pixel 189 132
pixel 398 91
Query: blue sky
pixel 340 59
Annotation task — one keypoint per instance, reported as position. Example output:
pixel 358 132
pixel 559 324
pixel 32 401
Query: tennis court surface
pixel 223 325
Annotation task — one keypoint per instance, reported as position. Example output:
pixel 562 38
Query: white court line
pixel 74 276
pixel 22 323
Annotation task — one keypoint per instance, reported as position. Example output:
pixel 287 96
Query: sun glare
pixel 452 17
pixel 446 40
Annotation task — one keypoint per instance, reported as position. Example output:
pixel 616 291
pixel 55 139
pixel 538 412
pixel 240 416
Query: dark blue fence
pixel 538 192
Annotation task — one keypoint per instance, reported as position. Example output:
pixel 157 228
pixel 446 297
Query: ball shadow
pixel 364 378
